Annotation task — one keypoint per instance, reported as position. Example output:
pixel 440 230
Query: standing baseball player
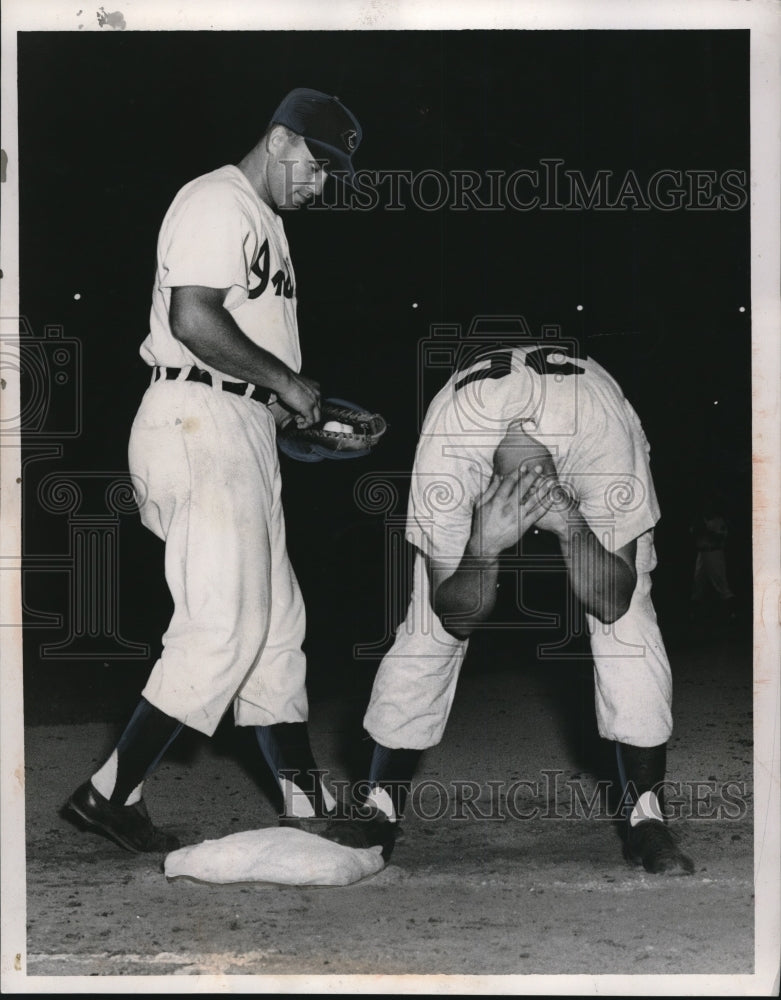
pixel 527 435
pixel 225 362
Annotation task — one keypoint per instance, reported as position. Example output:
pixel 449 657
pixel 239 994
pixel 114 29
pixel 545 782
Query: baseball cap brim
pixel 338 163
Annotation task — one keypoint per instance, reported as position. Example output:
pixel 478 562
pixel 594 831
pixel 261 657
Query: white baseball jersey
pixel 574 408
pixel 206 465
pixel 219 234
pixel 570 405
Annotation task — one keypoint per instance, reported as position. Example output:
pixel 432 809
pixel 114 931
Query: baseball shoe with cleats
pixel 128 826
pixel 363 832
pixel 309 824
pixel 341 827
pixel 652 845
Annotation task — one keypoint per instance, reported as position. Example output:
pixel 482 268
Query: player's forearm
pixel 466 599
pixel 600 579
pixel 214 337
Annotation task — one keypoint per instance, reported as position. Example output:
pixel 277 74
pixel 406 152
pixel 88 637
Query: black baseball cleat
pixel 129 826
pixel 652 845
pixel 349 832
pixel 309 824
pixel 373 831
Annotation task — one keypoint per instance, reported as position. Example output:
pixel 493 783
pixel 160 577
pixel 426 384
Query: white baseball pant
pixel 207 472
pixel 416 682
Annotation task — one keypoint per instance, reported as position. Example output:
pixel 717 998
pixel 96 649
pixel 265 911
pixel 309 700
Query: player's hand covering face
pixel 511 504
pixel 537 480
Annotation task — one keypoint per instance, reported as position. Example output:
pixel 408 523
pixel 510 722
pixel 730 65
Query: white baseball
pixel 334 425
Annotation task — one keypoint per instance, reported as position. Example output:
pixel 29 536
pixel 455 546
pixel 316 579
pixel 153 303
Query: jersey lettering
pixel 540 360
pixel 500 365
pixel 282 285
pixel 261 269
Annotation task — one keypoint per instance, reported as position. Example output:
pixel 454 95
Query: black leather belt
pixel 258 392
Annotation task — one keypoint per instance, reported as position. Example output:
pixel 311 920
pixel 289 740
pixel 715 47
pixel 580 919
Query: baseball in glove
pixel 344 431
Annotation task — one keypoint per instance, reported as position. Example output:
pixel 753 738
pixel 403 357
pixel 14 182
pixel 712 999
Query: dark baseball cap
pixel 331 131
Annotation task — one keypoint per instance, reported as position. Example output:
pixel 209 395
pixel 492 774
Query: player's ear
pixel 276 137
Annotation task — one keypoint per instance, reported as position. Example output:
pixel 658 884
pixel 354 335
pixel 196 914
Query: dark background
pixel 111 126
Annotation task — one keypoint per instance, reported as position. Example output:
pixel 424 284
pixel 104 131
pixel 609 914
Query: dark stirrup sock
pixel 641 770
pixel 141 746
pixel 391 771
pixel 286 748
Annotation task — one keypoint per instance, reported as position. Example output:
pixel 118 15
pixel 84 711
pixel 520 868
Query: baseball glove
pixel 344 431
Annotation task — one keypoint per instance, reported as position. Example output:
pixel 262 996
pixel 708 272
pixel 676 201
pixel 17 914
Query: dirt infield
pixel 489 878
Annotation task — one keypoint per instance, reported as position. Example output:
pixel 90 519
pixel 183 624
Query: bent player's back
pixel 554 392
pixel 571 405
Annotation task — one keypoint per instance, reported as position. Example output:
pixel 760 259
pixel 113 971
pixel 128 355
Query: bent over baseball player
pixel 225 360
pixel 529 435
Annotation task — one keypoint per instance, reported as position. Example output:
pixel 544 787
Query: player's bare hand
pixel 509 507
pixel 302 396
pixel 557 500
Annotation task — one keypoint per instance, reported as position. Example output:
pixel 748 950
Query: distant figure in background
pixel 710 584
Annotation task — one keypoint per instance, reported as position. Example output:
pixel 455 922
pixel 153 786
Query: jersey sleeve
pixel 208 241
pixel 611 475
pixel 443 490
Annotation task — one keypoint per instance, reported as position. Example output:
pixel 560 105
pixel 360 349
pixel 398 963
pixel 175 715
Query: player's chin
pixel 299 199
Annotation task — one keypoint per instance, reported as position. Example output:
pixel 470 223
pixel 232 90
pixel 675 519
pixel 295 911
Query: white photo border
pixel 762 18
